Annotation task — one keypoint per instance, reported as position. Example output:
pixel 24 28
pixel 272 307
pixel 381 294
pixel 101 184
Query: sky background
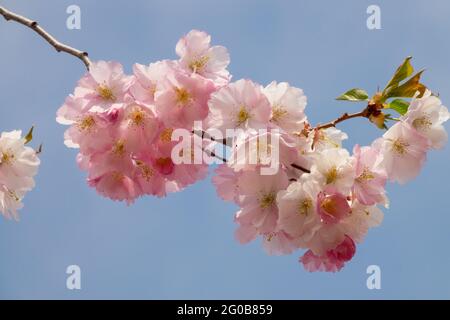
pixel 182 246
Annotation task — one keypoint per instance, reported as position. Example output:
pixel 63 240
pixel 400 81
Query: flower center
pixel 137 116
pixel 86 123
pixel 183 96
pixel 106 93
pixel 242 115
pixel 304 206
pixel 267 200
pixel 7 158
pixel 399 146
pixel 332 175
pixel 166 135
pixel 198 64
pixel 366 175
pixel 277 113
pixel 422 123
pixel 119 148
pixel 146 171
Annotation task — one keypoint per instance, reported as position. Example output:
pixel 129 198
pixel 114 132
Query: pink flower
pixel 288 106
pixel 403 151
pixel 183 100
pixel 138 127
pixel 257 197
pixel 333 260
pixel 333 168
pixel 239 105
pixel 197 56
pixel 225 181
pixel 149 79
pixel 370 178
pixel 104 84
pixel 278 243
pixel 427 115
pixel 297 209
pixel 332 207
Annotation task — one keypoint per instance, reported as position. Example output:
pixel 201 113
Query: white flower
pixel 288 106
pixel 18 165
pixel 334 168
pixel 426 115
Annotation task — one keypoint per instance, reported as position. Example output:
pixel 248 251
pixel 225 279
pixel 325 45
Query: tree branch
pixel 82 55
pixel 343 117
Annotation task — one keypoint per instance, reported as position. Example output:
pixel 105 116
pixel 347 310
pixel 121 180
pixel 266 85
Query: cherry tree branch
pixel 342 118
pixel 60 47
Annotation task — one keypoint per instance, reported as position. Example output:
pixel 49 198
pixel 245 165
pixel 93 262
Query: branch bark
pixel 60 47
pixel 343 117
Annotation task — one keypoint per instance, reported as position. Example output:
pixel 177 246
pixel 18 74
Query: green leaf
pixel 407 89
pixel 399 105
pixel 354 94
pixel 402 72
pixel 29 135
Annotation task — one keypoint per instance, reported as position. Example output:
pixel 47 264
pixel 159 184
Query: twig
pixel 343 117
pixel 296 166
pixel 82 55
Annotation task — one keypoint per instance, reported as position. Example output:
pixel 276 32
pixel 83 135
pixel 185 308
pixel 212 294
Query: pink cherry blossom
pixel 332 207
pixel 288 106
pixel 197 56
pixel 426 115
pixel 257 197
pixel 240 105
pixel 370 177
pixel 183 100
pixel 333 260
pixel 404 152
pixel 148 80
pixel 104 84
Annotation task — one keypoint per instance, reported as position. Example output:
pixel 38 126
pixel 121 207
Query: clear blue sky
pixel 182 246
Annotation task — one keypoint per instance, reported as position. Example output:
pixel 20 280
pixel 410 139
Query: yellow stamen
pixel 399 146
pixel 183 96
pixel 422 123
pixel 119 148
pixel 199 64
pixel 166 135
pixel 86 123
pixel 304 206
pixel 137 116
pixel 146 171
pixel 242 115
pixel 366 175
pixel 106 93
pixel 267 200
pixel 332 175
pixel 7 158
pixel 277 113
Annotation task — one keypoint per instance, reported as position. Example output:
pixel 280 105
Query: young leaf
pixel 29 135
pixel 355 94
pixel 402 72
pixel 399 105
pixel 407 89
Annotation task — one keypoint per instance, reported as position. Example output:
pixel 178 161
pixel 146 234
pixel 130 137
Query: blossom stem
pixel 60 47
pixel 345 116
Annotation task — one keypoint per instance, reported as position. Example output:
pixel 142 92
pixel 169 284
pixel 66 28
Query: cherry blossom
pixel 19 164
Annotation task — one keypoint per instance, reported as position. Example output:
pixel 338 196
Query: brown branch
pixel 82 55
pixel 296 166
pixel 343 117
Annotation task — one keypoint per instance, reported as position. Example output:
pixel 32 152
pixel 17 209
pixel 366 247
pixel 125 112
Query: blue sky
pixel 182 247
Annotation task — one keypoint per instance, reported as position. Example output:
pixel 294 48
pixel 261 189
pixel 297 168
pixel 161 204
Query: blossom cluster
pixel 321 197
pixel 18 166
pixel 123 124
